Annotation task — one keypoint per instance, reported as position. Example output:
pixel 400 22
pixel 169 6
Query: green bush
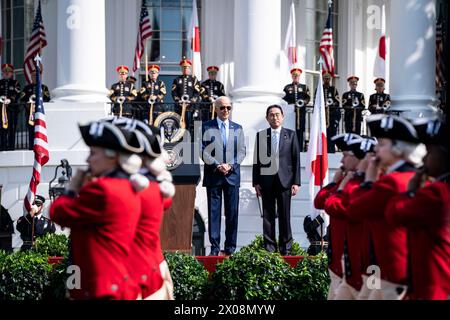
pixel 52 245
pixel 311 280
pixel 57 289
pixel 24 276
pixel 190 278
pixel 251 274
pixel 258 244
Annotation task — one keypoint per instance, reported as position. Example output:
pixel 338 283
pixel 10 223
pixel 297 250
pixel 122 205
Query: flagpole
pixel 146 61
pixel 320 63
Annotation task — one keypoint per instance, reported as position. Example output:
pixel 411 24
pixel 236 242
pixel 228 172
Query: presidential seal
pixel 175 158
pixel 171 127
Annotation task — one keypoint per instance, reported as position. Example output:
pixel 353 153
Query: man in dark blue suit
pixel 223 149
pixel 276 178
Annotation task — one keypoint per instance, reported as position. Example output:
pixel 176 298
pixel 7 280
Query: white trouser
pixel 335 282
pixel 365 291
pixel 166 290
pixel 346 292
pixel 389 291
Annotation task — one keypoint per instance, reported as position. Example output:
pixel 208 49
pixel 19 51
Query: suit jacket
pixel 213 153
pixel 285 164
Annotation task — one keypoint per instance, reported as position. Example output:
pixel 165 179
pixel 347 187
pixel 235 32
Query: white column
pixel 412 69
pixel 257 50
pixel 81 51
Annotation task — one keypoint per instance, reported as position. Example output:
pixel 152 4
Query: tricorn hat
pixel 152 143
pixel 360 147
pixel 431 131
pixel 392 127
pixel 342 140
pixel 108 136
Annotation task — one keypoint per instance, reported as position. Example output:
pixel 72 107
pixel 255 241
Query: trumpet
pixel 184 100
pixel 355 102
pixel 4 101
pixel 300 103
pixel 151 101
pixel 31 101
pixel 329 102
pixel 213 99
pixel 121 100
pixel 387 105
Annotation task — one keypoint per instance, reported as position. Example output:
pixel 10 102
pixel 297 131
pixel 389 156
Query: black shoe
pixel 214 254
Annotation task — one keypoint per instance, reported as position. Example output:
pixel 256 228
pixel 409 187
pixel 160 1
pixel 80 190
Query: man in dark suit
pixel 276 178
pixel 223 149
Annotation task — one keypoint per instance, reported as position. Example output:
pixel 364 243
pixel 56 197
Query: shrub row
pixel 250 274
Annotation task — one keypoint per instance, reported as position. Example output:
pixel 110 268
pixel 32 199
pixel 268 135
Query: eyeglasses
pixel 225 107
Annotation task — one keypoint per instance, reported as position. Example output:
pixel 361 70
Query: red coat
pixel 146 254
pixel 427 218
pixel 103 220
pixel 337 228
pixel 323 194
pixel 390 248
pixel 337 207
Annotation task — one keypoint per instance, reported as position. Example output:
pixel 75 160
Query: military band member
pixel 332 109
pixel 379 102
pixel 34 224
pixel 186 86
pixel 354 103
pixel 124 89
pixel 9 89
pixel 25 96
pixel 211 90
pixel 155 90
pixel 298 94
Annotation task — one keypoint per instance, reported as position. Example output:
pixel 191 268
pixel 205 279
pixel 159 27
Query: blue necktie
pixel 275 141
pixel 223 132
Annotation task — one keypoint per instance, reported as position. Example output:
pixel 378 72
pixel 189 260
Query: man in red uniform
pixel 102 209
pixel 337 226
pixel 398 152
pixel 146 262
pixel 336 205
pixel 425 211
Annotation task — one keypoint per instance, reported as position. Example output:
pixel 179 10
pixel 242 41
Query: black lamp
pixel 56 190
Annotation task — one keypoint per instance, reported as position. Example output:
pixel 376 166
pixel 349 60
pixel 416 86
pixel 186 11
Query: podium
pixel 176 229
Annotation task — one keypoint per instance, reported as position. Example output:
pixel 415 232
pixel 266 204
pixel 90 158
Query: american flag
pixel 37 42
pixel 440 67
pixel 144 32
pixel 40 148
pixel 326 44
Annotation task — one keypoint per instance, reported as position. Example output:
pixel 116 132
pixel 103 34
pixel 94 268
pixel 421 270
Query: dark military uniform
pixel 377 103
pixel 31 228
pixel 210 89
pixel 149 88
pixel 353 114
pixel 333 114
pixel 127 90
pixel 9 88
pixel 293 93
pixel 186 85
pixel 27 92
pixel 317 243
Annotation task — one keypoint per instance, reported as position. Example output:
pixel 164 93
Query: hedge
pixel 250 274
